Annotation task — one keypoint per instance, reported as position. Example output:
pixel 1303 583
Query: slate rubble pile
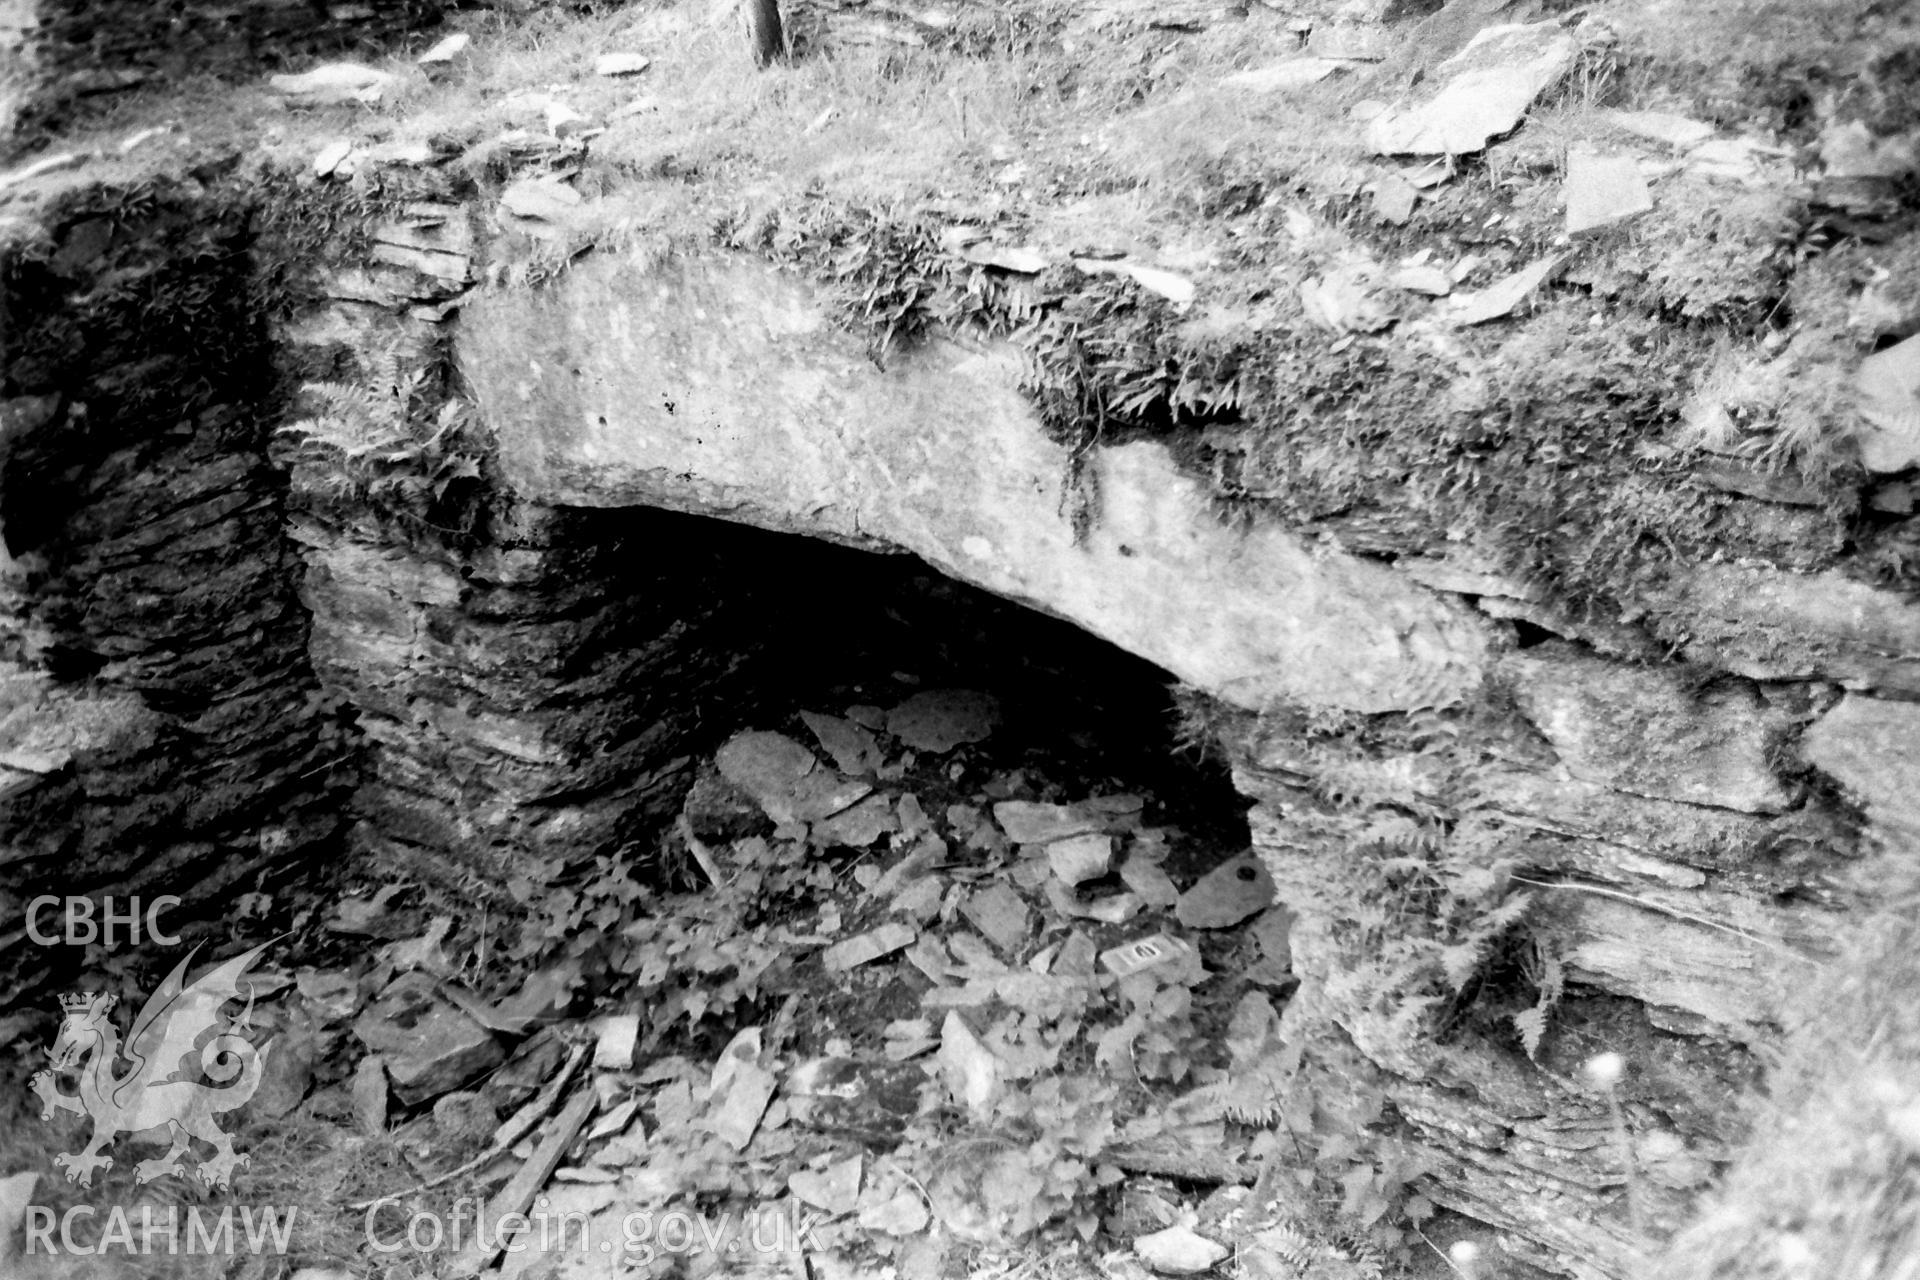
pixel 983 1014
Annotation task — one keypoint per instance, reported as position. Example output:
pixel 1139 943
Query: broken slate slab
pixel 938 720
pixel 854 748
pixel 614 1039
pixel 784 778
pixel 1489 85
pixel 1078 859
pixel 1661 126
pixel 544 199
pixel 1031 822
pixel 1888 391
pixel 1284 76
pixel 1498 299
pixel 737 1114
pixel 446 50
pixel 998 912
pixel 1175 288
pixel 621 64
pixel 818 796
pixel 336 82
pixel 867 947
pixel 369 1091
pixel 430 1046
pixel 1226 895
pixel 1179 1251
pixel 859 826
pixel 1394 198
pixel 1019 259
pixel 1602 190
pixel 1646 733
pixel 1873 747
pixel 1150 881
pixel 1432 281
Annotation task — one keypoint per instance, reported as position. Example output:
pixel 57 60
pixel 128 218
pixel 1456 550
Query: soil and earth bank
pixel 485 667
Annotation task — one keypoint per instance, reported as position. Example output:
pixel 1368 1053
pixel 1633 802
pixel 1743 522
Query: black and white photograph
pixel 959 639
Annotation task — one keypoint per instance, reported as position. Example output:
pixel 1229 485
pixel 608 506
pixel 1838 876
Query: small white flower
pixel 1464 1255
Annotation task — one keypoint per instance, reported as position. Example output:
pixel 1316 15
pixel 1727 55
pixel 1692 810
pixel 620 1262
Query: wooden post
pixel 763 18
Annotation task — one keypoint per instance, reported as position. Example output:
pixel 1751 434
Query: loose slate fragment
pixel 835 1188
pixel 1018 259
pixel 1176 289
pixel 1603 190
pixel 1120 804
pixel 1499 299
pixel 615 1121
pixel 1660 126
pixel 1888 387
pixel 430 1047
pixel 335 82
pixel 1116 909
pixel 969 1069
pixel 817 796
pixel 331 156
pixel 1489 86
pixel 445 51
pixel 614 1039
pixel 901 1214
pixel 1078 859
pixel 867 947
pixel 998 912
pixel 784 779
pixel 1076 956
pixel 1394 198
pixel 544 199
pixel 1431 281
pixel 1344 301
pixel 974 956
pixel 370 1096
pixel 621 64
pixel 1285 76
pixel 1178 1251
pixel 1226 895
pixel 736 1115
pixel 1737 159
pixel 853 748
pixel 920 899
pixel 1274 931
pixel 858 827
pixel 1150 881
pixel 1030 822
pixel 939 720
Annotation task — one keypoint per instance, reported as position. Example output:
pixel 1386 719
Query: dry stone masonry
pixel 1515 833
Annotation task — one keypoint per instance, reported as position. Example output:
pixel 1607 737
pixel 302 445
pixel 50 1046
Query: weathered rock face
pixel 724 388
pixel 160 730
pixel 1674 856
pixel 1505 854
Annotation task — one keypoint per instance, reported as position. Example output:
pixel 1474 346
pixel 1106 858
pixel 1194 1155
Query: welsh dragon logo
pixel 179 1037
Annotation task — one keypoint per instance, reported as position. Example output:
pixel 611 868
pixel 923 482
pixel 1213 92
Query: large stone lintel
pixel 721 387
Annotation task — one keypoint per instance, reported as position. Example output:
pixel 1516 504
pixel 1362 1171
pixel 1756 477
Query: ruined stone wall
pixel 1516 835
pixel 1514 838
pixel 531 681
pixel 161 731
